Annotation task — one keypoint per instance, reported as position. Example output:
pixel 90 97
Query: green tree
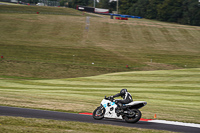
pixel 63 2
pixel 169 10
pixel 112 6
pixel 104 4
pixel 126 6
pixel 141 7
pixel 151 11
pixel 80 2
pixel 191 12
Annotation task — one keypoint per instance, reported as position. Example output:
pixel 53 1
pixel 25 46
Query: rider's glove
pixel 110 97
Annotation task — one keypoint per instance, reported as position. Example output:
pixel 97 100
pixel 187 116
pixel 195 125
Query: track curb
pixel 161 121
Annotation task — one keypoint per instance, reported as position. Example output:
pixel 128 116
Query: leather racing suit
pixel 127 98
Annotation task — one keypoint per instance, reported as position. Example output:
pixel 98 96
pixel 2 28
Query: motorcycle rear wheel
pixel 98 113
pixel 133 118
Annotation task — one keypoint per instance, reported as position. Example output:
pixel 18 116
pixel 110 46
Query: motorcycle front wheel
pixel 98 113
pixel 134 116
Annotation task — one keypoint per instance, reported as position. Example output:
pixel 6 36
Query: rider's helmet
pixel 123 91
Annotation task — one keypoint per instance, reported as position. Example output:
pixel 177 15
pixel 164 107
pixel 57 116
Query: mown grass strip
pixel 177 90
pixel 40 10
pixel 19 124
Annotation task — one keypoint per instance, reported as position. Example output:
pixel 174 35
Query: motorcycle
pixel 109 109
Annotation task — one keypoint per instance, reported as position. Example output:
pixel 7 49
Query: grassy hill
pixel 58 46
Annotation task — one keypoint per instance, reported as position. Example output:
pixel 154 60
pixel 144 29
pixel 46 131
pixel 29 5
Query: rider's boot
pixel 120 108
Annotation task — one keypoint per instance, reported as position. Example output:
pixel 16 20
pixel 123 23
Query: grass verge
pixel 18 125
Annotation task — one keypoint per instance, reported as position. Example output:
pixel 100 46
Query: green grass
pixel 48 62
pixel 171 94
pixel 18 8
pixel 58 46
pixel 19 125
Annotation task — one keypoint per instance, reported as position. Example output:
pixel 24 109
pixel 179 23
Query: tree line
pixel 179 11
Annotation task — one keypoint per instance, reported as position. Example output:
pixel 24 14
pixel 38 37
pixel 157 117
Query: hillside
pixel 58 46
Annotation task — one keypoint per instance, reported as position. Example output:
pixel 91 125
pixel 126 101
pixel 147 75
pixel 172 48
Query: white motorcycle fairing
pixel 110 107
pixel 137 104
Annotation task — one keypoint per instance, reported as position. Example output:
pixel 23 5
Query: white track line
pixel 176 123
pixel 164 122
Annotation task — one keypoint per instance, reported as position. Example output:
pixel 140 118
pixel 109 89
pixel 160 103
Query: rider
pixel 127 98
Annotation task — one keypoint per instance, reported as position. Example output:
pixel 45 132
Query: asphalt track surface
pixel 33 113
